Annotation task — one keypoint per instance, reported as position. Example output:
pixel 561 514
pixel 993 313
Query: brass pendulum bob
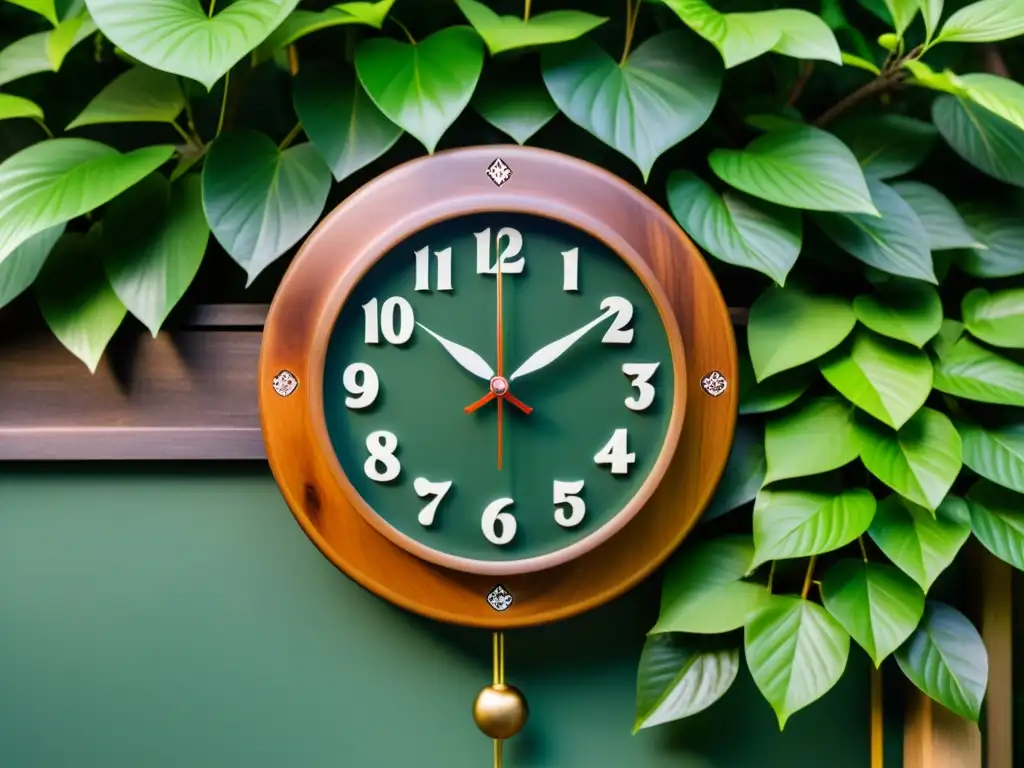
pixel 500 710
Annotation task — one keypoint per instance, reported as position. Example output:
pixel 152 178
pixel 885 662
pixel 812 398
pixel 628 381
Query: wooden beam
pixel 997 631
pixel 934 737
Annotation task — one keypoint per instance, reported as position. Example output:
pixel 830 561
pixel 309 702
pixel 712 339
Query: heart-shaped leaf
pixel 920 543
pixel 301 23
pixel 905 310
pixel 54 181
pixel 744 471
pixel 514 103
pixel 12 107
pixel 341 121
pixel 45 8
pixel 140 95
pixel 997 519
pixel 505 33
pixel 995 318
pixel 987 141
pixel 986 21
pixel 948 335
pixel 876 604
pixel 997 94
pixel 422 87
pixel 972 372
pixel 894 242
pixel 773 393
pixel 788 327
pixel 178 36
pixel 737 229
pixel 703 591
pixel 817 435
pixel 77 302
pixel 43 51
pixel 887 379
pixel 946 659
pixel 997 453
pixel 796 652
pixel 902 13
pixel 259 200
pixel 798 167
pixel 21 267
pixel 680 676
pixel 887 145
pixel 663 93
pixel 942 223
pixel 154 238
pixel 790 523
pixel 919 462
pixel 1000 232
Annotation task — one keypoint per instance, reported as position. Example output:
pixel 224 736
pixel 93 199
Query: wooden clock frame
pixel 368 225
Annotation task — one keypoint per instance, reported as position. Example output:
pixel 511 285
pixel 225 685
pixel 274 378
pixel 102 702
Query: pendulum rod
pixel 499 678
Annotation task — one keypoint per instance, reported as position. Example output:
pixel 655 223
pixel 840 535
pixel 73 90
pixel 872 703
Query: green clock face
pixel 478 452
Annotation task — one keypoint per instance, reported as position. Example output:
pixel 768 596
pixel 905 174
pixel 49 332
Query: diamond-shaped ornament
pixel 714 384
pixel 498 172
pixel 499 598
pixel 285 383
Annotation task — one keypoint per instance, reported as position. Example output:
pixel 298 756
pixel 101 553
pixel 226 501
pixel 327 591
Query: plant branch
pixel 863 549
pixel 526 10
pixel 46 130
pixel 293 60
pixel 223 103
pixel 632 13
pixel 806 68
pixel 771 576
pixel 182 132
pixel 880 84
pixel 808 577
pixel 213 5
pixel 292 135
pixel 405 29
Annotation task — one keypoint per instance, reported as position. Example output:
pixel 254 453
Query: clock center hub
pixel 499 385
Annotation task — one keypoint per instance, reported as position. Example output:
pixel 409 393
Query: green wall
pixel 176 616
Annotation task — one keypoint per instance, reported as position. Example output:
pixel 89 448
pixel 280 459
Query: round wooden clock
pixel 495 386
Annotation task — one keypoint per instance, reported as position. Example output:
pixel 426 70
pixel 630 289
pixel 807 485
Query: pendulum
pixel 500 710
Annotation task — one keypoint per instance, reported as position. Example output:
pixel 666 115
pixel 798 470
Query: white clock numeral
pixel 567 492
pixel 424 488
pixel 616 453
pixel 361 382
pixel 382 466
pixel 641 374
pixel 444 269
pixel 570 270
pixel 510 265
pixel 394 311
pixel 618 332
pixel 494 518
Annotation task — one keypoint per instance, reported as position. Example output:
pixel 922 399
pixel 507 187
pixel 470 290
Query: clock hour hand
pixel 546 355
pixel 464 356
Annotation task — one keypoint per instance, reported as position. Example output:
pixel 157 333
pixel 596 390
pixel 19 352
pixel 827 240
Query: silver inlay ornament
pixel 714 384
pixel 498 172
pixel 285 383
pixel 499 598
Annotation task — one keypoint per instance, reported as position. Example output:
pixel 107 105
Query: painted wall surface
pixel 159 617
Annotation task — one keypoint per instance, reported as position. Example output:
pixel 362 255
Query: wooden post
pixel 997 631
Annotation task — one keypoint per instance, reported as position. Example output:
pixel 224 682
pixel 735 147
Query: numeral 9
pixel 361 382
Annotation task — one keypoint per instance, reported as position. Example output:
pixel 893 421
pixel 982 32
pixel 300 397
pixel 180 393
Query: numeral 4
pixel 394 321
pixel 640 374
pixel 619 331
pixel 424 488
pixel 362 384
pixel 382 466
pixel 616 454
pixel 499 527
pixel 444 269
pixel 567 492
pixel 510 265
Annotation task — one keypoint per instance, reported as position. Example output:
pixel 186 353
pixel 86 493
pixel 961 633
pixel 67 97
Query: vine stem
pixel 45 127
pixel 213 5
pixel 405 29
pixel 771 577
pixel 875 87
pixel 632 13
pixel 808 577
pixel 863 549
pixel 223 103
pixel 181 131
pixel 292 135
pixel 526 10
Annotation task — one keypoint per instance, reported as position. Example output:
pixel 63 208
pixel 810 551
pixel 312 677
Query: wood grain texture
pixel 997 632
pixel 934 737
pixel 374 220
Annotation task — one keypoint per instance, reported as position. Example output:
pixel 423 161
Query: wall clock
pixel 495 387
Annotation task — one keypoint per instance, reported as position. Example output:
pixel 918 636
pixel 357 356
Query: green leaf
pixel 54 181
pixel 703 591
pixel 154 238
pixel 799 168
pixel 920 543
pixel 948 335
pixel 663 93
pixel 887 145
pixel 902 13
pixel 505 33
pixel 931 12
pixel 344 125
pixel 1000 233
pixel 66 36
pixel 177 36
pixel 737 229
pixel 817 435
pixel 744 472
pixel 919 462
pixel 946 659
pixel 259 200
pixel 876 604
pixel 12 107
pixel 1001 95
pixel 773 393
pixel 424 87
pixel 21 267
pixel 995 318
pixel 516 104
pixel 997 519
pixel 990 143
pixel 905 310
pixel 45 8
pixel 942 223
pixel 894 242
pixel 984 22
pixel 140 95
pixel 301 23
pixel 972 372
pixel 77 302
pixel 679 677
pixel 41 52
pixel 996 454
pixel 856 61
pixel 796 652
pixel 790 523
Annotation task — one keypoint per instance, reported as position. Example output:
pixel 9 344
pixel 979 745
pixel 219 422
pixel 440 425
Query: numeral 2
pixel 510 265
pixel 618 332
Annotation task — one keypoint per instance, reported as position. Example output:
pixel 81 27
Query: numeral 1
pixel 444 269
pixel 395 311
pixel 510 265
pixel 616 454
pixel 570 270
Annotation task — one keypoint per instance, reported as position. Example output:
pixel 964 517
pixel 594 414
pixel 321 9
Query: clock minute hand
pixel 464 356
pixel 551 352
